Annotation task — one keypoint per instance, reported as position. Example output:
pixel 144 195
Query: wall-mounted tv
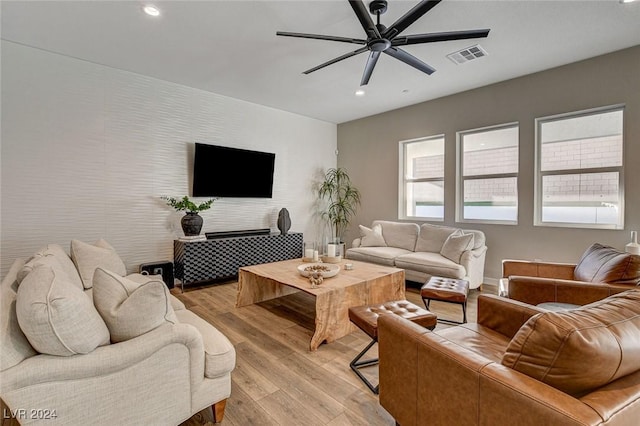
pixel 220 171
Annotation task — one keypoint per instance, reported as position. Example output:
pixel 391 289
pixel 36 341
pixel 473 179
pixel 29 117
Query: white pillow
pixel 432 237
pixel 55 257
pixel 131 308
pixel 56 316
pixel 372 237
pixel 456 244
pixel 88 257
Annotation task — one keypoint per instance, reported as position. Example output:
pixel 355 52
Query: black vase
pixel 191 224
pixel 284 221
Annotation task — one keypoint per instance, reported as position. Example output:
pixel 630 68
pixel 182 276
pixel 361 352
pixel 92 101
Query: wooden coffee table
pixel 366 284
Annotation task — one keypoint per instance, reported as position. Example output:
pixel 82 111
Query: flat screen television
pixel 220 171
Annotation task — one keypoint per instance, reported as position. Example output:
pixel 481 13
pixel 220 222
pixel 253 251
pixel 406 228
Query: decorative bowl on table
pixel 324 269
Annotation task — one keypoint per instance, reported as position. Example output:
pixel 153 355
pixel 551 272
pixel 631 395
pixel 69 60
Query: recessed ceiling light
pixel 151 10
pixel 360 92
pixel 627 1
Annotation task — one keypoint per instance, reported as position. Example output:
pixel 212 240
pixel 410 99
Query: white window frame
pixel 539 174
pixel 403 180
pixel 460 178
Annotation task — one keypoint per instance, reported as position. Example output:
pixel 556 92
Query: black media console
pixel 220 257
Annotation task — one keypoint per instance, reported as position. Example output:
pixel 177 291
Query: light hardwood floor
pixel 277 380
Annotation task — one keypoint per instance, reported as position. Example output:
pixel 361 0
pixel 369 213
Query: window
pixel 421 192
pixel 579 180
pixel 487 189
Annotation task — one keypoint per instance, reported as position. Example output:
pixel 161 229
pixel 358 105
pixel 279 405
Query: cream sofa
pixel 105 349
pixel 423 250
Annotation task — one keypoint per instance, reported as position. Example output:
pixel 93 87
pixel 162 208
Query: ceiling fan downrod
pixel 378 7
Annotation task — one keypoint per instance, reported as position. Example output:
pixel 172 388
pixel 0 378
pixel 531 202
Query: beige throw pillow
pixel 456 244
pixel 88 257
pixel 56 316
pixel 372 237
pixel 131 308
pixel 432 237
pixel 54 256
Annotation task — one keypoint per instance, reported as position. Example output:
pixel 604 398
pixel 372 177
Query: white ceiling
pixel 231 47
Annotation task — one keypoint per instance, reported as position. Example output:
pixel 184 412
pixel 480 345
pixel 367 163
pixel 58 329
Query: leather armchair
pixel 462 375
pixel 601 272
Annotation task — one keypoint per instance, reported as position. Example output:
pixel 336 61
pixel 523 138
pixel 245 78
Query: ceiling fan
pixel 381 39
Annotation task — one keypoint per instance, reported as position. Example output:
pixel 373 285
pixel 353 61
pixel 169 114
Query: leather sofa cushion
pixel 580 350
pixel 604 264
pixel 477 338
pixel 399 234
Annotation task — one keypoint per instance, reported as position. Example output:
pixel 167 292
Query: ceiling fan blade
pixel 368 69
pixel 365 19
pixel 322 37
pixel 444 36
pixel 409 18
pixel 338 59
pixel 409 59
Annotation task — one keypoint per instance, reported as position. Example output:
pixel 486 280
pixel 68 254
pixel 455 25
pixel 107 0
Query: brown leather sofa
pixel 600 272
pixel 518 365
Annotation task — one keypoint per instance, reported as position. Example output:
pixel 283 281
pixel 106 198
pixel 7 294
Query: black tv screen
pixel 220 171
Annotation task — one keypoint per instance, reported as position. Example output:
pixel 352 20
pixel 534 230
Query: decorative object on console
pixel 191 222
pixel 633 247
pixel 284 221
pixel 342 200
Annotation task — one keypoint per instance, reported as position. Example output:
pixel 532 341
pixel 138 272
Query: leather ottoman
pixel 449 290
pixel 366 318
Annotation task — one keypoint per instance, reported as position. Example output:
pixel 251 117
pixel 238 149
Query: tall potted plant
pixel 191 222
pixel 342 200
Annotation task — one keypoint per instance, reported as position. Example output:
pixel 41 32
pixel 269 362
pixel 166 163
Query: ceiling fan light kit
pixel 381 39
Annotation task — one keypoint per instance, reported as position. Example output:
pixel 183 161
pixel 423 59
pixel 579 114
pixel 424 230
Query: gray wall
pixel 368 149
pixel 87 151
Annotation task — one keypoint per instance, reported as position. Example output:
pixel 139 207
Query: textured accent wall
pixel 605 80
pixel 88 150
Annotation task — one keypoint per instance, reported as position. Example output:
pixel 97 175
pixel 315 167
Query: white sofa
pixel 423 250
pixel 105 349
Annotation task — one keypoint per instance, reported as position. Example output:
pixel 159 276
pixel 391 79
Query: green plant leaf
pixel 342 199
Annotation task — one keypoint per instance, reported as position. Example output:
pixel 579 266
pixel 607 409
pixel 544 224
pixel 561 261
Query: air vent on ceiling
pixel 467 54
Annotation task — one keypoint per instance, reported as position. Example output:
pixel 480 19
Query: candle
pixel 315 256
pixel 308 253
pixel 331 250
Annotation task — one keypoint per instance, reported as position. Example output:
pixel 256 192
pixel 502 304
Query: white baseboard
pixel 490 281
